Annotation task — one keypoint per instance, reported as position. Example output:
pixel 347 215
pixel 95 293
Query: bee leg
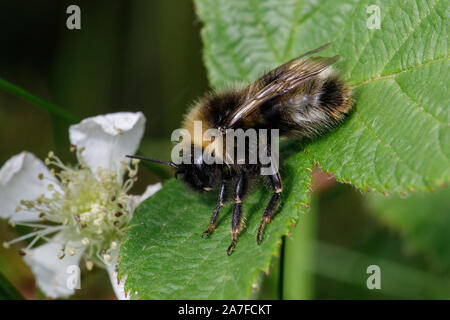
pixel 272 205
pixel 215 215
pixel 237 212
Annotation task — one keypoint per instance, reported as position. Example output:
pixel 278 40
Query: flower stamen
pixel 89 209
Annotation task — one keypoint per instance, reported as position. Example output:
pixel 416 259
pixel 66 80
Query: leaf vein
pixel 366 44
pixel 393 75
pixel 421 108
pixel 264 30
pixel 418 106
pixel 408 36
pixel 387 145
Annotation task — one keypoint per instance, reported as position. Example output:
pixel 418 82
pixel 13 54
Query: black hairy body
pixel 302 98
pixel 309 110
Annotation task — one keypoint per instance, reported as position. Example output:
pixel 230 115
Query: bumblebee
pixel 303 98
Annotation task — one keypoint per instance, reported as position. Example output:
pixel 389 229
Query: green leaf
pixel 7 290
pixel 398 72
pixel 422 220
pixel 165 257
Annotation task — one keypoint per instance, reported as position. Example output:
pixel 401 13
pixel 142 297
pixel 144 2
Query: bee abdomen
pixel 315 107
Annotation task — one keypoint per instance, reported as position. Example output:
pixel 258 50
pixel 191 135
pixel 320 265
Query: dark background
pixel 128 56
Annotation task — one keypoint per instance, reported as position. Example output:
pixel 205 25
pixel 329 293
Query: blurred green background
pixel 143 55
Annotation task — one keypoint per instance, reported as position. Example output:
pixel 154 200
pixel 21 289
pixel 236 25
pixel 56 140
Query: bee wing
pixel 279 81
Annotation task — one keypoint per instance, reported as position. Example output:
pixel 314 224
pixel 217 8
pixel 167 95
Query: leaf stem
pixel 52 108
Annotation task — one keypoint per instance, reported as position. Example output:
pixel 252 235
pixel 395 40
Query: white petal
pixel 55 277
pixel 108 138
pixel 19 181
pixel 151 190
pixel 118 285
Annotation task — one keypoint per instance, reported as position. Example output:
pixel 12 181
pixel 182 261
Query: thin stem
pixel 53 108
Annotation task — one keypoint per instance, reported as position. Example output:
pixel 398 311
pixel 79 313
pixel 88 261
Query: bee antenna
pixel 168 163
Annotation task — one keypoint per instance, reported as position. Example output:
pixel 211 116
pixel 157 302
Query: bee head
pixel 198 175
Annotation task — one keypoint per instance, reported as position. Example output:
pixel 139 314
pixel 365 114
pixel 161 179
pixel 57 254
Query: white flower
pixel 82 211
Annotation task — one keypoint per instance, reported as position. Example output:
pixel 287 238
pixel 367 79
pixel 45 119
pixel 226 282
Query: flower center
pixel 90 210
